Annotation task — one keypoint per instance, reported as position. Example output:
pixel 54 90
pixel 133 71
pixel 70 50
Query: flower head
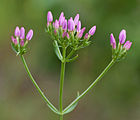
pixel 18 43
pixel 112 41
pixel 120 52
pixel 69 33
pixel 122 36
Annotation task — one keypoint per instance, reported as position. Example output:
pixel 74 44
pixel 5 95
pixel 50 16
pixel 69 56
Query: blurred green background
pixel 115 97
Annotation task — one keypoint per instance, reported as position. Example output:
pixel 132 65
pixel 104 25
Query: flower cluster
pixel 18 43
pixel 68 33
pixel 119 52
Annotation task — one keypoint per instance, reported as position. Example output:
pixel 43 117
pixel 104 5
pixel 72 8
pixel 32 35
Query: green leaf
pixel 54 110
pixel 72 107
pixel 57 50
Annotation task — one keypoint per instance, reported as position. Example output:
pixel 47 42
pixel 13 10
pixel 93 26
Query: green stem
pixel 92 85
pixel 70 54
pixel 35 84
pixel 62 83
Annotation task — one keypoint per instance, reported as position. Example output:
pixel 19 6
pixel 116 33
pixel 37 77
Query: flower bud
pixel 61 19
pixel 64 25
pixel 80 34
pixel 71 25
pixel 49 17
pixel 76 19
pixel 56 24
pixel 122 36
pixel 29 35
pixel 127 45
pixel 22 33
pixel 22 43
pixel 64 34
pixel 55 32
pixel 79 26
pixel 86 36
pixel 112 41
pixel 92 30
pixel 68 36
pixel 14 40
pixel 17 32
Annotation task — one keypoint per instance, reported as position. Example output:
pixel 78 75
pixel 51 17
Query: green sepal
pixel 57 50
pixel 72 107
pixel 54 110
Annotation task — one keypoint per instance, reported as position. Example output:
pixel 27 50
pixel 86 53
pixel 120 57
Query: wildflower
pixel 56 24
pixel 71 25
pixel 127 45
pixel 18 43
pixel 22 33
pixel 120 52
pixel 17 32
pixel 29 35
pixel 112 41
pixel 76 19
pixel 80 34
pixel 61 19
pixel 92 30
pixel 68 33
pixel 122 36
pixel 49 17
pixel 14 40
pixel 79 26
pixel 86 36
pixel 22 43
pixel 64 34
pixel 64 25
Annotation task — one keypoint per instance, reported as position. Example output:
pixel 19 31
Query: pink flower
pixel 76 19
pixel 122 36
pixel 49 17
pixel 17 32
pixel 71 25
pixel 29 35
pixel 14 40
pixel 92 30
pixel 112 41
pixel 127 45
